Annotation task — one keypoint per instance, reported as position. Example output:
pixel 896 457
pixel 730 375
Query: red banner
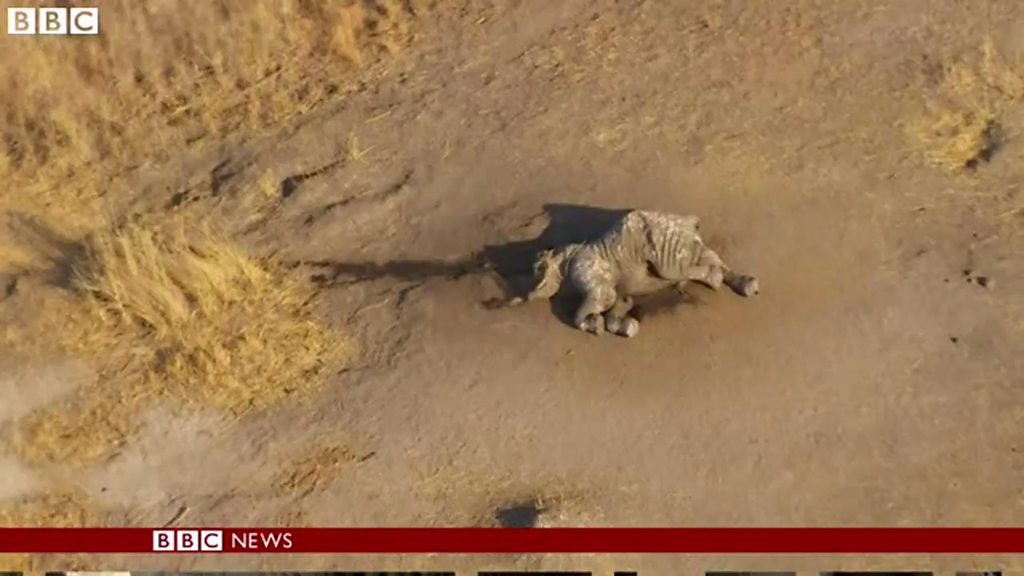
pixel 515 540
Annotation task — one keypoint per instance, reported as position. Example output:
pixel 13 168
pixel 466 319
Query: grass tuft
pixel 57 510
pixel 964 127
pixel 186 316
pixel 962 139
pixel 63 509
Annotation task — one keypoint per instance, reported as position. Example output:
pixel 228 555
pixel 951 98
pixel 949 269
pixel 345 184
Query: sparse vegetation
pixel 964 127
pixel 164 74
pixel 190 317
pixel 313 470
pixel 144 339
pixel 962 139
pixel 60 509
pixel 179 313
pixel 355 150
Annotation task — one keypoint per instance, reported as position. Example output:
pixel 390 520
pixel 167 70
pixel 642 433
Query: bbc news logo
pixel 53 21
pixel 188 540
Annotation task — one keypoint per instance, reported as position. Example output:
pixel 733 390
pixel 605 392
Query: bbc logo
pixel 188 540
pixel 53 21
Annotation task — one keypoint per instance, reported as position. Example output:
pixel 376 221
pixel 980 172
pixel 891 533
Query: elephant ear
pixel 547 275
pixel 541 263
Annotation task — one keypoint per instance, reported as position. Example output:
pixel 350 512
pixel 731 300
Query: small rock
pixel 984 281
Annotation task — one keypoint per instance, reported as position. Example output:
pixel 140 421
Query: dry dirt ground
pixel 875 380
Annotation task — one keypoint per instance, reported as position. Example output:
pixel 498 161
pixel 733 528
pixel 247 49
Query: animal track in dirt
pixel 381 195
pixel 216 180
pixel 291 184
pixel 222 174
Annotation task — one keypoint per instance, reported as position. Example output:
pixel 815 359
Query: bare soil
pixel 874 381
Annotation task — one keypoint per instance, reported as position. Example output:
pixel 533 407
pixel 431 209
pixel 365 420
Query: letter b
pixel 188 540
pixel 21 21
pixel 53 21
pixel 163 540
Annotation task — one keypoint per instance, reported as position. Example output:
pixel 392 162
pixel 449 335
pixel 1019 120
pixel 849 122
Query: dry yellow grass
pixel 314 470
pixel 958 139
pixel 176 314
pixel 964 126
pixel 162 74
pixel 59 510
pixel 80 431
pixel 1000 74
pixel 14 257
pixel 182 315
pixel 179 315
pixel 64 509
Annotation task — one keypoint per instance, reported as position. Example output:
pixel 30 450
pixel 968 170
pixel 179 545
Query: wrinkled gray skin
pixel 644 253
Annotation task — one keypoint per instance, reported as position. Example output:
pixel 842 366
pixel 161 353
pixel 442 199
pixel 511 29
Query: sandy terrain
pixel 874 381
